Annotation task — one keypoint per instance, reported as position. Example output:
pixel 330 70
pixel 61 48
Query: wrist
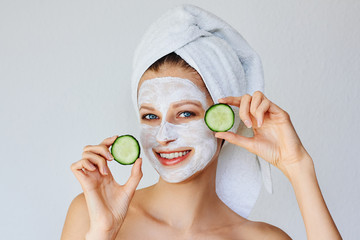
pixel 101 235
pixel 304 165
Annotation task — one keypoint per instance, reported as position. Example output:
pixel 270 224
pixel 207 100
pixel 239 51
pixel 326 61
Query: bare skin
pixel 191 209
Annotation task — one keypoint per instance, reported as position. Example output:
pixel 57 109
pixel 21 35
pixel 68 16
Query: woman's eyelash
pixel 192 114
pixel 151 116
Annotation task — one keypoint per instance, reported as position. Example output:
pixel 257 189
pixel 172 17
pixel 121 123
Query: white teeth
pixel 173 155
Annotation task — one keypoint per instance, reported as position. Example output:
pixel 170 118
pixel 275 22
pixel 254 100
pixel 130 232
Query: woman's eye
pixel 150 116
pixel 186 114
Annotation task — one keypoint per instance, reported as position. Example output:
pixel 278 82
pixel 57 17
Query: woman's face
pixel 172 103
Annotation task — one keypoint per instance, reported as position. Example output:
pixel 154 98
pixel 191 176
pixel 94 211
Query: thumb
pixel 135 177
pixel 245 142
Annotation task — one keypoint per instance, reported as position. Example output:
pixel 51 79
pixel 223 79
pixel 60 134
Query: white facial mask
pixel 161 93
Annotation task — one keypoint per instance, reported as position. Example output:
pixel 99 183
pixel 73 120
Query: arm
pixel 276 141
pixel 317 219
pixel 77 222
pixel 100 210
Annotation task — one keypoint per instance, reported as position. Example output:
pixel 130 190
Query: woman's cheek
pixel 148 136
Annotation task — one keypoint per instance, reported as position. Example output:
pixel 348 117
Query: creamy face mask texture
pixel 161 93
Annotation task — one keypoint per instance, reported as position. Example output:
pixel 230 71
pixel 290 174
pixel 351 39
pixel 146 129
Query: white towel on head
pixel 229 67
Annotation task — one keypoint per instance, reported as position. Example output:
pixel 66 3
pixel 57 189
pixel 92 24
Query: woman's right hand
pixel 107 201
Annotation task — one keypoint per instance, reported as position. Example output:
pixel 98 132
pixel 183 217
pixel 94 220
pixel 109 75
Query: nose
pixel 166 134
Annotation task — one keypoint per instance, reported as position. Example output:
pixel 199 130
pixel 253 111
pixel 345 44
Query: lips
pixel 169 158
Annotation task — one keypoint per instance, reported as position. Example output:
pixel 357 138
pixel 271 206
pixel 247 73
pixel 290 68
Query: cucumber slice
pixel 125 149
pixel 219 117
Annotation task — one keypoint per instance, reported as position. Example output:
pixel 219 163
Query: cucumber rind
pixel 115 148
pixel 213 108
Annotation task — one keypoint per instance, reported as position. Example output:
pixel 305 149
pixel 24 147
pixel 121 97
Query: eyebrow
pixel 148 108
pixel 187 102
pixel 174 105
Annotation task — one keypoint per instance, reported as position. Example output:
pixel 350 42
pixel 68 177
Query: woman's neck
pixel 187 205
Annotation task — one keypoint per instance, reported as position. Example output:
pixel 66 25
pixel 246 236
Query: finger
pixel 135 177
pixel 234 101
pixel 84 170
pixel 276 110
pixel 101 150
pixel 244 110
pixel 256 100
pixel 88 165
pixel 83 164
pixel 97 160
pixel 108 141
pixel 261 110
pixel 76 168
pixel 236 139
pixel 81 168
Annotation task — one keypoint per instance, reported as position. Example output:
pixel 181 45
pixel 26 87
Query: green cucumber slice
pixel 125 149
pixel 219 117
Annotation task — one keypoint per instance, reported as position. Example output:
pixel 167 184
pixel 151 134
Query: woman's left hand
pixel 275 139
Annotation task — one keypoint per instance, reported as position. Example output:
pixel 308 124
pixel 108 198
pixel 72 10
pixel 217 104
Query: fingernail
pixel 259 123
pixel 105 171
pixel 247 123
pixel 110 156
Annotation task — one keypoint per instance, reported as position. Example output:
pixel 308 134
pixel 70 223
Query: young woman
pixel 190 209
pixel 185 62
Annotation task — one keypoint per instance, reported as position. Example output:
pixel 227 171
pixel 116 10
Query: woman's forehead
pixel 175 71
pixel 169 83
pixel 165 90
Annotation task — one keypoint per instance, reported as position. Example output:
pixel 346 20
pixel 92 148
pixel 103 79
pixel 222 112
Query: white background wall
pixel 64 83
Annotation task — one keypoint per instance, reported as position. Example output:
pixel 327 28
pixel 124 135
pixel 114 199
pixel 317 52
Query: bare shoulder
pixel 262 230
pixel 77 221
pixel 140 196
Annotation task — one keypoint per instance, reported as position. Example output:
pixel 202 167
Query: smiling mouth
pixel 172 157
